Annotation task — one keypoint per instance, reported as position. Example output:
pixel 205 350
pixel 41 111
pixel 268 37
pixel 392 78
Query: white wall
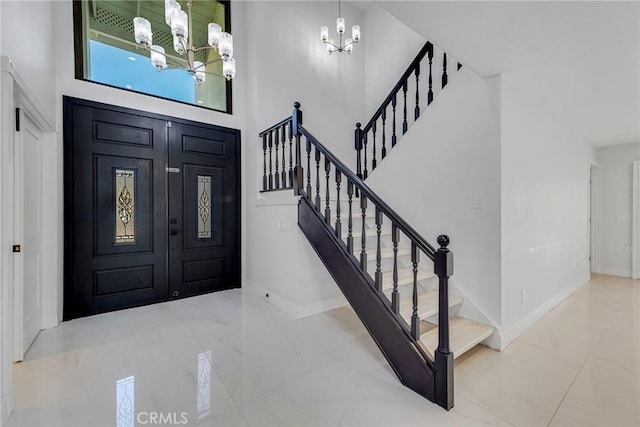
pixel 281 262
pixel 432 178
pixel 32 50
pixel 388 53
pixel 545 170
pixel 614 186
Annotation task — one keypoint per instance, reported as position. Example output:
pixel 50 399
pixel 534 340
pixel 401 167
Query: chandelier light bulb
pixel 330 46
pixel 170 7
pixel 348 46
pixel 213 31
pixel 158 57
pixel 340 25
pixel 355 33
pixel 199 72
pixel 229 68
pixel 324 33
pixel 179 24
pixel 142 31
pixel 225 45
pixel 178 46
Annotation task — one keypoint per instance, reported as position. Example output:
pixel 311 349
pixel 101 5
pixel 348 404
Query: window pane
pixel 111 56
pixel 124 206
pixel 204 207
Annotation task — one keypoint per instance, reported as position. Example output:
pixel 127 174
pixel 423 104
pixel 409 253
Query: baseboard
pixel 294 310
pixel 506 336
pixel 622 272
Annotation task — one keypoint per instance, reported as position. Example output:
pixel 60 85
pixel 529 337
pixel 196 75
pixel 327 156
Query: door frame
pixel 635 223
pixel 15 93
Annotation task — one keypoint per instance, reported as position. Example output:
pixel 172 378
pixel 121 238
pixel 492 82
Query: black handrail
pixel 274 127
pixel 367 192
pixel 428 46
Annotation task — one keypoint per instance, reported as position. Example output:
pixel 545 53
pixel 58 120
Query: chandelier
pixel 181 24
pixel 340 27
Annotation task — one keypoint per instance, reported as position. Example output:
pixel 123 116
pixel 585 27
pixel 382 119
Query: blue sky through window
pixel 121 68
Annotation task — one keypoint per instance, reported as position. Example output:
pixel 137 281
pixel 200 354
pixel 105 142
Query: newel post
pixel 357 137
pixel 443 268
pixel 298 173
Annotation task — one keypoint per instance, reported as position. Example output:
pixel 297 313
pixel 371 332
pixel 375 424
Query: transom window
pixel 106 51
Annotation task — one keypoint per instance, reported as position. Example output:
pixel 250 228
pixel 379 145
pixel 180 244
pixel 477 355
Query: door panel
pixel 203 238
pixel 118 188
pixel 153 208
pixel 30 170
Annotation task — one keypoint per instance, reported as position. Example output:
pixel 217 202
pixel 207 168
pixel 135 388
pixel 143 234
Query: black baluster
pixel 445 78
pixel 393 126
pixel 405 125
pixel 363 252
pixel 291 154
pixel 384 136
pixel 416 113
pixel 430 91
pixel 350 220
pixel 327 209
pixel 264 160
pixel 317 179
pixel 443 268
pixel 415 320
pixel 309 193
pixel 338 221
pixel 395 296
pixel 365 174
pixel 298 172
pixel 277 144
pixel 374 162
pixel 283 139
pixel 357 136
pixel 270 164
pixel 378 250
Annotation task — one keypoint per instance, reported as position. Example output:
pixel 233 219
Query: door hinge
pixel 172 170
pixel 16 248
pixel 168 124
pixel 17 120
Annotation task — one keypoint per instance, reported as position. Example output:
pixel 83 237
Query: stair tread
pixel 369 232
pixel 405 275
pixel 427 304
pixel 387 252
pixel 464 334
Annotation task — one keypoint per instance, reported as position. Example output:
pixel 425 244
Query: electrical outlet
pixel 281 225
pixel 478 201
pixel 523 295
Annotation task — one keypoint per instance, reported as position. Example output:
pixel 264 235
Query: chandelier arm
pixel 327 42
pixel 198 49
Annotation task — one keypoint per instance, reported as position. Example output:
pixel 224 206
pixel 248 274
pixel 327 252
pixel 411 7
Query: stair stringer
pixel 394 342
pixel 423 179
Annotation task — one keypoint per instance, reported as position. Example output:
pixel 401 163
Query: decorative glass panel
pixel 204 207
pixel 124 203
pixel 125 402
pixel 204 384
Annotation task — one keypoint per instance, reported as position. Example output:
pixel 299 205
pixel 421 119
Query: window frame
pixel 80 56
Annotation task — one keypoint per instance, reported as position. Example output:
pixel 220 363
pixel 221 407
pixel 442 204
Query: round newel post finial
pixel 358 125
pixel 443 241
pixel 296 105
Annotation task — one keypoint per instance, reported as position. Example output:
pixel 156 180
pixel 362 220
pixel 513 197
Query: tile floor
pixel 231 358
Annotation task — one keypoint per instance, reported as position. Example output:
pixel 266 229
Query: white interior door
pixel 28 221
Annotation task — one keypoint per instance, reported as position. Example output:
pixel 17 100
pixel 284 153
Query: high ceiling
pixel 582 57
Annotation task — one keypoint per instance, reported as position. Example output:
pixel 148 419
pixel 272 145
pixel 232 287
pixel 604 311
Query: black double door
pixel 151 208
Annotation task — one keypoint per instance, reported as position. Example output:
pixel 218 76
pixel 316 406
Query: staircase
pixel 395 280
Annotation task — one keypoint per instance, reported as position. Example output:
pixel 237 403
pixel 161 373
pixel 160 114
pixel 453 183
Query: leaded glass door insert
pixel 204 207
pixel 124 206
